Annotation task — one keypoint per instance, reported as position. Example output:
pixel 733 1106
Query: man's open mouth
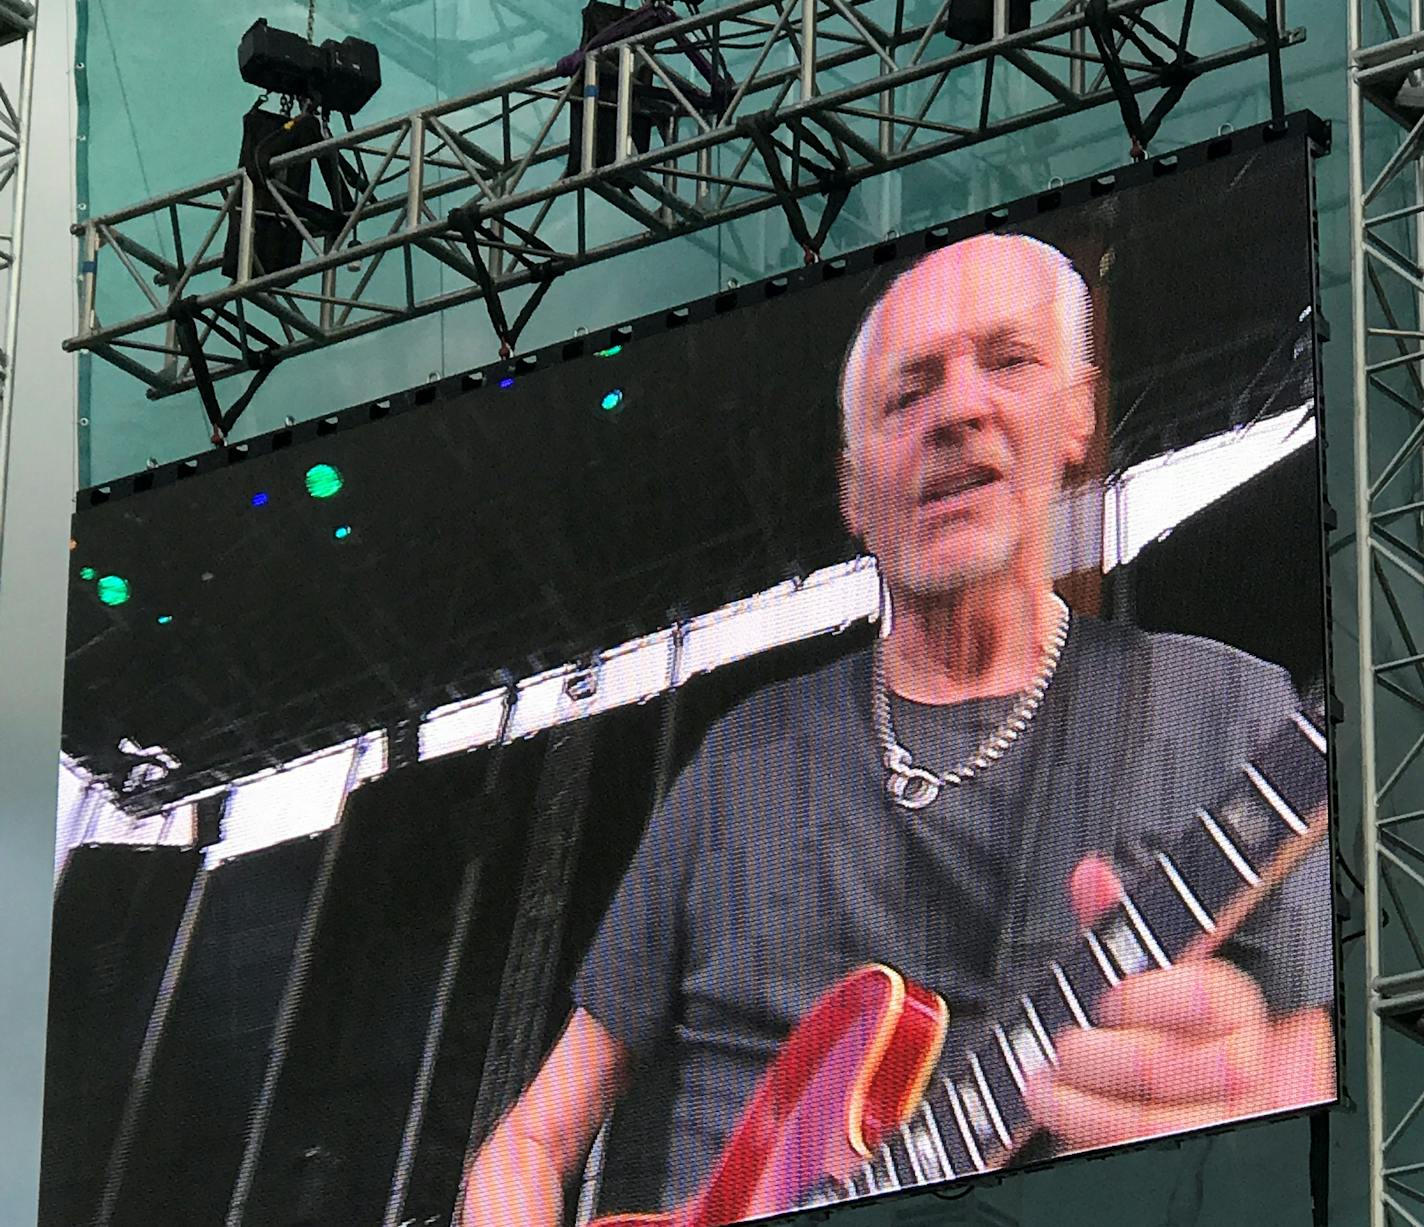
pixel 953 484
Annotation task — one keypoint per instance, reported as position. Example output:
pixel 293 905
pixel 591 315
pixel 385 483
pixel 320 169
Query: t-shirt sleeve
pixel 629 978
pixel 1285 945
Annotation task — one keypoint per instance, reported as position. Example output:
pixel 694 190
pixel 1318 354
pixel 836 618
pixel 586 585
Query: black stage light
pixel 335 77
pixel 972 21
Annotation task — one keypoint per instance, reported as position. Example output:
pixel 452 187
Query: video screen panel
pixel 860 731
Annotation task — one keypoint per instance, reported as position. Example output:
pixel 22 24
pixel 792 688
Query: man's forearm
pixel 514 1177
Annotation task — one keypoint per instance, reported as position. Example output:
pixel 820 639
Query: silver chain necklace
pixel 916 787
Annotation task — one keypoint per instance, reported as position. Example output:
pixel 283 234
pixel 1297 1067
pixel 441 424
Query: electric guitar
pixel 861 1100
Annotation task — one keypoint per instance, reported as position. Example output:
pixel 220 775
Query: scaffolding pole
pixel 1386 118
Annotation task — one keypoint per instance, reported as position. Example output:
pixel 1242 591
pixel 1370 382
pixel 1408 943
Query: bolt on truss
pixel 1387 218
pixel 690 124
pixel 17 59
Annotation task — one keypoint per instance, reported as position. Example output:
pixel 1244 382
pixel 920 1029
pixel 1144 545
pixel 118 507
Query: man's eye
pixel 1007 358
pixel 907 394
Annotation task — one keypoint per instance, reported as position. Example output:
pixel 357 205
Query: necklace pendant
pixel 911 787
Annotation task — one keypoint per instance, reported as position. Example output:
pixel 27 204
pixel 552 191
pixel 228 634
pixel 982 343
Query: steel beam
pixel 800 98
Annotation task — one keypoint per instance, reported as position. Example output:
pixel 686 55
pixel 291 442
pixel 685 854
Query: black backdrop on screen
pixel 507 528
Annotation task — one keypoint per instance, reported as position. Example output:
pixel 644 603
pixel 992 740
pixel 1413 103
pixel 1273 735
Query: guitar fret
pixel 1009 1059
pixel 963 1122
pixel 1228 849
pixel 1275 800
pixel 1070 998
pixel 911 1147
pixel 1184 893
pixel 1104 964
pixel 1144 933
pixel 1312 734
pixel 945 1165
pixel 1031 1013
pixel 990 1103
pixel 891 1174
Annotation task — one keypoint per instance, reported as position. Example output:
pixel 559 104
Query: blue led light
pixel 342 532
pixel 164 619
pixel 611 400
pixel 259 499
pixel 507 382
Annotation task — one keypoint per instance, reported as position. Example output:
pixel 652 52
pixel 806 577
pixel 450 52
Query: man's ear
pixel 851 510
pixel 1081 418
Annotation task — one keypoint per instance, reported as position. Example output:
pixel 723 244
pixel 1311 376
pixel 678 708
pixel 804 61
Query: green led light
pixel 87 573
pixel 323 480
pixel 164 619
pixel 611 352
pixel 113 589
pixel 343 532
pixel 611 400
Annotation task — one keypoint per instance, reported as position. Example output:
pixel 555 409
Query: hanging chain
pixel 311 20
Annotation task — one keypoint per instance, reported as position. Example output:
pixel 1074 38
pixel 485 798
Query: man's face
pixel 972 405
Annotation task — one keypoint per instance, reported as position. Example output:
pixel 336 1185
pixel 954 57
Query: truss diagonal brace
pixel 1174 74
pixel 467 223
pixel 184 313
pixel 835 183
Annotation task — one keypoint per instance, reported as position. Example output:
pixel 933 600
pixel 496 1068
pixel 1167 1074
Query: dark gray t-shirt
pixel 776 864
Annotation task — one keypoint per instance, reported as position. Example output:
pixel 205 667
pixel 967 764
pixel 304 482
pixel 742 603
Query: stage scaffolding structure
pixel 758 105
pixel 1386 115
pixel 17 60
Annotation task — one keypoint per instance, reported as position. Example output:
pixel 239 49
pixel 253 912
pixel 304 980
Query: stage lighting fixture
pixel 323 481
pixel 333 78
pixel 342 532
pixel 259 499
pixel 611 352
pixel 612 399
pixel 113 590
pixel 164 619
pixel 87 573
pixel 507 382
pixel 972 21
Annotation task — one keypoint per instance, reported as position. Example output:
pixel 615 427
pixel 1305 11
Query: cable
pixel 311 21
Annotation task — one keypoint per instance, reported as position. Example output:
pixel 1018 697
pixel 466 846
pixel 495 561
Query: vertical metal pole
pixel 1001 19
pixel 12 319
pixel 590 111
pixel 625 103
pixel 292 993
pixel 1364 552
pixel 415 176
pixel 808 49
pixel 328 290
pixel 887 129
pixel 244 231
pixel 704 168
pixel 434 1034
pixel 1077 66
pixel 90 277
pixel 142 1081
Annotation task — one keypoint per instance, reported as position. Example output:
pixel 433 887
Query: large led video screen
pixel 861 730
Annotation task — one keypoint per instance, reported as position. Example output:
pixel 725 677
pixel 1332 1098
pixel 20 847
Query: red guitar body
pixel 853 1069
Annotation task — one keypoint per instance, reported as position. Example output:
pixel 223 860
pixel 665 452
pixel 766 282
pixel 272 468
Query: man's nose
pixel 962 399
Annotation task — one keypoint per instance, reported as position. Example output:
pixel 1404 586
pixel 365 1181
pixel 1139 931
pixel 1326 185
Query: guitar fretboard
pixel 974 1115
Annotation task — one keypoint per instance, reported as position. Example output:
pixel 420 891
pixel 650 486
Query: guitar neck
pixel 1185 904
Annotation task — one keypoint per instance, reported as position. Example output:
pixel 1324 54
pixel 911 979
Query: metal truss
pixel 693 124
pixel 1387 218
pixel 17 59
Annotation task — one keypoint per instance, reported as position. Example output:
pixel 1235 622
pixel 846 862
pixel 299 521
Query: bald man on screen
pixel 783 858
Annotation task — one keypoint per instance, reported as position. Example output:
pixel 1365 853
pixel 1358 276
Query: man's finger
pixel 1093 888
pixel 1162 1065
pixel 1081 1120
pixel 1212 997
